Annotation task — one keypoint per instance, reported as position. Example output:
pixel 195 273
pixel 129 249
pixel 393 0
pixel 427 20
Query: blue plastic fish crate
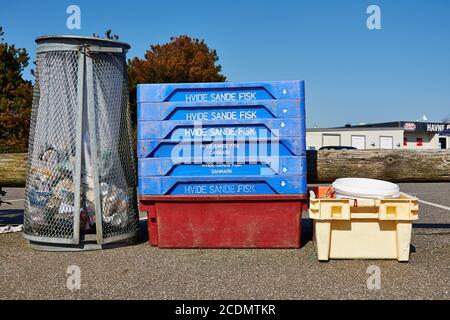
pixel 247 129
pixel 221 152
pixel 243 185
pixel 221 91
pixel 268 166
pixel 237 110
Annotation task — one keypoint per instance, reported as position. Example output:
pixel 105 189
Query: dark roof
pixel 392 124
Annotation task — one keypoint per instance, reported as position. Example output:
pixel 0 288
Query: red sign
pixel 409 126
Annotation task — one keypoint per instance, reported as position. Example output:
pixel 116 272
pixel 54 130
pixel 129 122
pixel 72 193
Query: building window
pixel 405 141
pixel 419 142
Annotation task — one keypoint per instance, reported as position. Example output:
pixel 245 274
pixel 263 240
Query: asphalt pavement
pixel 144 272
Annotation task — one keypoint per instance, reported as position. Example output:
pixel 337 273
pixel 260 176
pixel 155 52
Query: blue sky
pixel 352 74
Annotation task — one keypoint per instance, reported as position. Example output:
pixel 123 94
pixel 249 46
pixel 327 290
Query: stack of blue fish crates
pixel 241 138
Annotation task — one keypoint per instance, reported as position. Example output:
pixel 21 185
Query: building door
pixel 359 142
pixel 329 140
pixel 443 142
pixel 386 143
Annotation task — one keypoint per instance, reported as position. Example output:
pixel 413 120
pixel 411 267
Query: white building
pixel 389 135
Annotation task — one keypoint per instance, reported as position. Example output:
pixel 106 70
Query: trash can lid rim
pixel 81 38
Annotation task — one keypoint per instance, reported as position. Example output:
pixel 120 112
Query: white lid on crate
pixel 365 188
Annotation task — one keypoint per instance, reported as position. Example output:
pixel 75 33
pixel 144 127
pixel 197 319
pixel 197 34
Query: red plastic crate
pixel 263 221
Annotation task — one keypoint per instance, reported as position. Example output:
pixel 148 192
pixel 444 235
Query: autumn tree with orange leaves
pixel 16 96
pixel 183 59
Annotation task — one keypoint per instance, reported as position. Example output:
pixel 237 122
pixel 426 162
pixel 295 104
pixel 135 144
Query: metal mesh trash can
pixel 81 182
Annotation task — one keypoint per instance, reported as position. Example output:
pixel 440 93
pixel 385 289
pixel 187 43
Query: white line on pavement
pixel 435 205
pixel 431 203
pixel 13 200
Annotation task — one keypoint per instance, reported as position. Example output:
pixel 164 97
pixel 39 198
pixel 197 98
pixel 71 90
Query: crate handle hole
pixel 391 211
pixel 336 211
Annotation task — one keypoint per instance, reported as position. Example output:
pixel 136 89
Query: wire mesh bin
pixel 81 183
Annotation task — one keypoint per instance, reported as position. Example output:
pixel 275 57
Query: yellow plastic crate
pixel 362 229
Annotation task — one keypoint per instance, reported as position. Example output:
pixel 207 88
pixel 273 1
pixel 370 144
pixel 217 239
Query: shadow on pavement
pixel 431 226
pixel 307 231
pixel 11 216
pixel 143 231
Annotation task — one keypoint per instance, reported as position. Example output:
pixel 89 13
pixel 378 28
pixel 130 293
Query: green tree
pixel 16 96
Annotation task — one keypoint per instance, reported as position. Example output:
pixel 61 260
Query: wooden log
pixel 390 165
pixel 13 168
pixel 323 166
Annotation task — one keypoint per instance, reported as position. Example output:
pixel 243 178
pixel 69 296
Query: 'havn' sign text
pixel 437 127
